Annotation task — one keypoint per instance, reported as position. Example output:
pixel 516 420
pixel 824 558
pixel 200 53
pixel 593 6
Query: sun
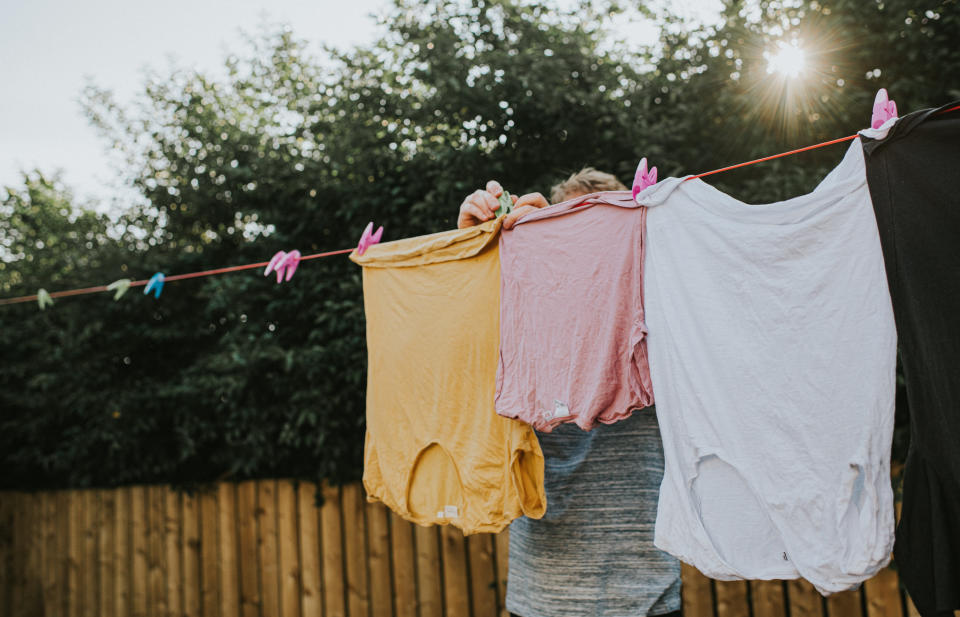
pixel 788 59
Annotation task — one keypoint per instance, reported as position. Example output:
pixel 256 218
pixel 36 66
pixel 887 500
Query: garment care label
pixel 560 410
pixel 448 512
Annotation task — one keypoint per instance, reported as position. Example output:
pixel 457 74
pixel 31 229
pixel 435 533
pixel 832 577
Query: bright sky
pixel 48 48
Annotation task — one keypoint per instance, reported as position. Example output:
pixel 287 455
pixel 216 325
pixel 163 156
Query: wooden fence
pixel 261 548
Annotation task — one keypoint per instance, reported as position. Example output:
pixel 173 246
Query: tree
pixel 235 376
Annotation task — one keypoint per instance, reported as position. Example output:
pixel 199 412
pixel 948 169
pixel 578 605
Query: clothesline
pixel 190 275
pixel 174 277
pixel 776 156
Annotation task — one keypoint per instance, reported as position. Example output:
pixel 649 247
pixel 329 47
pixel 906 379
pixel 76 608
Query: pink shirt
pixel 572 333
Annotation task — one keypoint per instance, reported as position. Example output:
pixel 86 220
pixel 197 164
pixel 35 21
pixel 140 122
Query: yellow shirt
pixel 436 451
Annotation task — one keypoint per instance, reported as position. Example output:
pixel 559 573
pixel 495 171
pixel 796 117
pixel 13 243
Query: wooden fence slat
pixel 502 548
pixel 456 586
pixel 209 568
pixel 191 555
pixel 29 566
pixel 483 575
pixel 767 599
pixel 25 559
pixel 354 536
pixel 74 554
pixel 34 565
pixel 8 507
pixel 331 539
pixel 249 560
pixel 91 604
pixel 106 540
pixel 32 585
pixel 883 595
pixel 697 597
pixel 404 567
pixel 61 563
pixel 308 515
pixel 378 560
pixel 52 596
pixel 40 539
pixel 21 543
pixel 156 566
pixel 123 557
pixel 288 557
pixel 39 549
pixel 731 598
pixel 34 569
pixel 845 604
pixel 16 554
pixel 429 571
pixel 805 601
pixel 267 538
pixel 173 557
pixel 139 540
pixel 227 534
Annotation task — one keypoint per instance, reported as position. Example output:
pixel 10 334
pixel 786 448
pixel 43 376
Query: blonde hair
pixel 587 180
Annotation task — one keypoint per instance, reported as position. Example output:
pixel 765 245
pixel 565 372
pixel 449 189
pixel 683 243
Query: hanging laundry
pixel 912 175
pixel 772 352
pixel 572 346
pixel 436 452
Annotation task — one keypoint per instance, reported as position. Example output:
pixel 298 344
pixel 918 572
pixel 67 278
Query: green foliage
pixel 235 376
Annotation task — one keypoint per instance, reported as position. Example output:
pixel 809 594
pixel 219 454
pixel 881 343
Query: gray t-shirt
pixel 592 554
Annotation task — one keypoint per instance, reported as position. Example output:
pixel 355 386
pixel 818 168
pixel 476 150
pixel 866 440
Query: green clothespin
pixel 506 204
pixel 43 299
pixel 121 286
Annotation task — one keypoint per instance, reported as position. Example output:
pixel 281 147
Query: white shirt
pixel 772 351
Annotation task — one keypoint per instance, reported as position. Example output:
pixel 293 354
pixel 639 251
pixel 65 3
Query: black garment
pixel 914 180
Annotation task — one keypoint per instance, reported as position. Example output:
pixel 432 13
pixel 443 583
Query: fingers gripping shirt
pixel 436 452
pixel 572 347
pixel 772 352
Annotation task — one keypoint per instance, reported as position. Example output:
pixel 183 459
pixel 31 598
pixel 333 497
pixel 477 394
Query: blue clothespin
pixel 156 284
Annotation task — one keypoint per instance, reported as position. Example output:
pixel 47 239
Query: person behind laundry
pixel 592 553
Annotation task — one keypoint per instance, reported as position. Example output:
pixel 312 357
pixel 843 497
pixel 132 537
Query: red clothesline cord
pixel 174 277
pixel 775 156
pixel 191 275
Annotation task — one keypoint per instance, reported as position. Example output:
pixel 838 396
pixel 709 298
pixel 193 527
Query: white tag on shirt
pixel 560 410
pixel 450 511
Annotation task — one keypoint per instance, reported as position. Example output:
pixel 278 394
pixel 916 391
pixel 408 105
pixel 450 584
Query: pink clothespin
pixel 368 238
pixel 642 179
pixel 283 263
pixel 883 109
